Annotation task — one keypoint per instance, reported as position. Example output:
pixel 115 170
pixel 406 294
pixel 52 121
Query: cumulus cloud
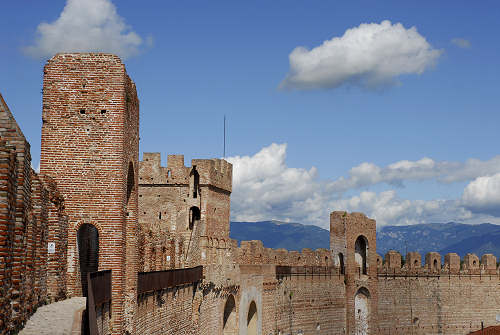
pixel 265 188
pixel 368 174
pixel 482 195
pixel 387 208
pixel 85 26
pixel 461 42
pixel 371 55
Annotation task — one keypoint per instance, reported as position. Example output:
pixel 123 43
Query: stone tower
pixel 90 144
pixel 353 246
pixel 182 208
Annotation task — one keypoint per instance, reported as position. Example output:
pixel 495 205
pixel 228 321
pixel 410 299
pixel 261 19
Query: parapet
pixel 393 260
pixel 452 264
pixel 471 262
pixel 433 261
pixel 355 219
pixel 413 260
pixel 254 252
pixel 212 172
pixel 489 263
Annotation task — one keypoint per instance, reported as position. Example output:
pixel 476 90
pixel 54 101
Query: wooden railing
pixel 98 293
pixel 159 280
pixel 305 271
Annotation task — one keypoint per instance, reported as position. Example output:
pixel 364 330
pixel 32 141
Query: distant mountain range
pixel 440 237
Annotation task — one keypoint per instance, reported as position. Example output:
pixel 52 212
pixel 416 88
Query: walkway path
pixel 56 318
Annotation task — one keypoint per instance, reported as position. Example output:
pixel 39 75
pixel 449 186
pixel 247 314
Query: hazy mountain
pixel 276 234
pixel 440 237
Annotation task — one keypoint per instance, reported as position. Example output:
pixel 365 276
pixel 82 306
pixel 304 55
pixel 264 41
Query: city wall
pixel 432 299
pixel 31 218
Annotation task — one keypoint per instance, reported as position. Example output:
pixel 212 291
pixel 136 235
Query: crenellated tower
pixel 182 209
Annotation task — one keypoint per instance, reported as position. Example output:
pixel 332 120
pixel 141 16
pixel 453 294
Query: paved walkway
pixel 56 318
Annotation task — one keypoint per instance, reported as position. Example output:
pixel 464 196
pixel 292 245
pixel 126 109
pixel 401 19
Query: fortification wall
pixel 31 216
pixel 311 304
pixel 435 299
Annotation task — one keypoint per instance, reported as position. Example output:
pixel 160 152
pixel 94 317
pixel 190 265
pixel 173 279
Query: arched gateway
pixel 88 252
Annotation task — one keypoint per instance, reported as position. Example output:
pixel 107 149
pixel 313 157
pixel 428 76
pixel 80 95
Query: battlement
pixel 254 252
pixel 212 172
pixel 393 263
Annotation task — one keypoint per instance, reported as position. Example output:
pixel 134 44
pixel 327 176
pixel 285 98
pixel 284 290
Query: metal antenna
pixel 224 155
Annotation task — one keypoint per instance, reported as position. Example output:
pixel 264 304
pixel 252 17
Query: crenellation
pixel 433 262
pixel 471 263
pixel 452 263
pixel 413 261
pixel 489 263
pixel 393 260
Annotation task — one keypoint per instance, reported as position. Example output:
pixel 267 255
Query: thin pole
pixel 224 136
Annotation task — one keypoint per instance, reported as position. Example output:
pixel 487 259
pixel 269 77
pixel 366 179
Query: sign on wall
pixel 51 248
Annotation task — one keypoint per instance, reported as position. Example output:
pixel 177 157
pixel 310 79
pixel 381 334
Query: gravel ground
pixel 56 318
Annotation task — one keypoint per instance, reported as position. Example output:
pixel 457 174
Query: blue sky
pixel 194 62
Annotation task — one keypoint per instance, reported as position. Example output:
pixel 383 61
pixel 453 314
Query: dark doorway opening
pixel 88 252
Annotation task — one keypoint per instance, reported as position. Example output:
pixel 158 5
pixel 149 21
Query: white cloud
pixel 371 55
pixel 368 174
pixel 387 208
pixel 482 195
pixel 461 42
pixel 265 188
pixel 85 26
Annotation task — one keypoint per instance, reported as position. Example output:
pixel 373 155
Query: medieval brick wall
pixel 435 299
pixel 30 211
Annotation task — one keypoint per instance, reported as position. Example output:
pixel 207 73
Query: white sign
pixel 498 317
pixel 168 258
pixel 51 248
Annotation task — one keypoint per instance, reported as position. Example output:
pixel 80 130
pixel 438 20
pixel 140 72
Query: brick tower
pixel 183 209
pixel 90 145
pixel 353 245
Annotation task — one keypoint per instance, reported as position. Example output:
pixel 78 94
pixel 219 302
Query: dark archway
pixel 194 182
pixel 88 252
pixel 361 252
pixel 229 318
pixel 194 216
pixel 341 263
pixel 252 319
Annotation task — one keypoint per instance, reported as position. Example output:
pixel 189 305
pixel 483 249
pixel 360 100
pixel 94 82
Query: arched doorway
pixel 362 311
pixel 360 253
pixel 229 317
pixel 194 217
pixel 88 252
pixel 252 319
